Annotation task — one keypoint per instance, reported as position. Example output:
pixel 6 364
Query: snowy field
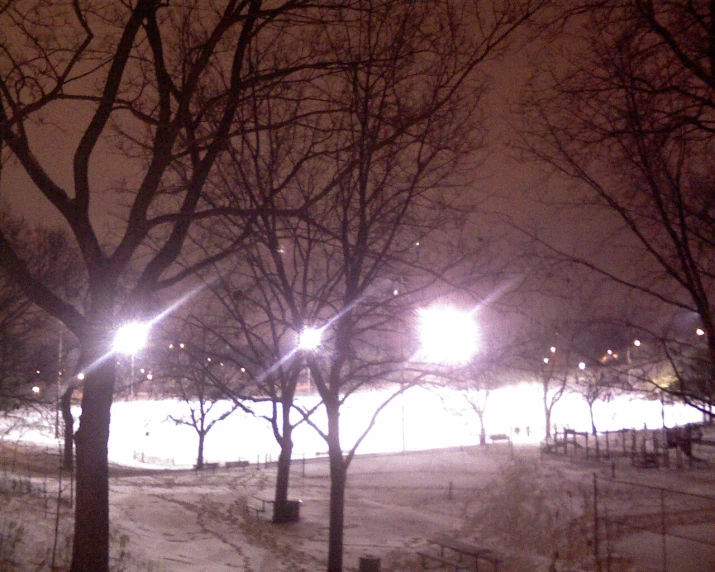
pixel 522 505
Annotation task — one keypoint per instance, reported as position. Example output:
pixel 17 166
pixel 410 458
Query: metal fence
pixel 661 529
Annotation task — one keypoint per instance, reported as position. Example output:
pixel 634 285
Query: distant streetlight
pixel 129 339
pixel 310 339
pixel 700 332
pixel 448 335
pixel 582 366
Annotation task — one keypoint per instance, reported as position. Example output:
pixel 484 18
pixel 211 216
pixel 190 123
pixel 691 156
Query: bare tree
pixel 194 367
pixel 625 114
pixel 479 385
pixel 162 83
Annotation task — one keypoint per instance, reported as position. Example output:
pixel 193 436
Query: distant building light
pixel 546 360
pixel 609 352
pixel 582 366
pixel 35 390
pixel 637 343
pixel 552 349
pixel 700 332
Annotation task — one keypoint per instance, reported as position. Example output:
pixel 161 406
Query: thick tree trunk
pixel 280 505
pixel 338 482
pixel 68 422
pixel 90 551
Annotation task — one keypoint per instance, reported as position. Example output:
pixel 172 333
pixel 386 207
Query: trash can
pixel 369 564
pixel 289 513
pixel 293 511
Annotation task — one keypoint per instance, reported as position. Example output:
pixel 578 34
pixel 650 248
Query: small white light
pixel 80 376
pixel 609 352
pixel 35 390
pixel 181 345
pixel 546 360
pixel 552 349
pixel 581 366
pixel 700 332
pixel 149 376
pixel 637 343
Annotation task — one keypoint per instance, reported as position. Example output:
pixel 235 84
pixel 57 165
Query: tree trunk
pixel 90 551
pixel 483 431
pixel 280 508
pixel 338 481
pixel 547 419
pixel 200 453
pixel 593 423
pixel 68 422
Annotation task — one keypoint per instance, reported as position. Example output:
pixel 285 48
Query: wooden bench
pixel 457 566
pixel 499 437
pixel 258 505
pixel 232 464
pixel 462 555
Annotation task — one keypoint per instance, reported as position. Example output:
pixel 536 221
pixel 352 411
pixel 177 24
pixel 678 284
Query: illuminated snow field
pixel 189 521
pixel 431 418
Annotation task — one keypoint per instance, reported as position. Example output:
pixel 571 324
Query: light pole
pixel 309 340
pixel 129 339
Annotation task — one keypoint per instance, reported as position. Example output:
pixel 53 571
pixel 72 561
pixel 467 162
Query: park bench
pixel 499 437
pixel 458 555
pixel 258 505
pixel 207 466
pixel 232 464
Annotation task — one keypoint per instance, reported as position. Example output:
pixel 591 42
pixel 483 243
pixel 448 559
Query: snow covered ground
pixel 512 500
pixel 421 419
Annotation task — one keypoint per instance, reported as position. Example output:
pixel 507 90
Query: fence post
pixel 623 437
pixel 663 530
pixel 595 522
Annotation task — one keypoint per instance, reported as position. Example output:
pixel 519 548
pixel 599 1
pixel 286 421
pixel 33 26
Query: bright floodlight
pixel 131 337
pixel 310 338
pixel 448 335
